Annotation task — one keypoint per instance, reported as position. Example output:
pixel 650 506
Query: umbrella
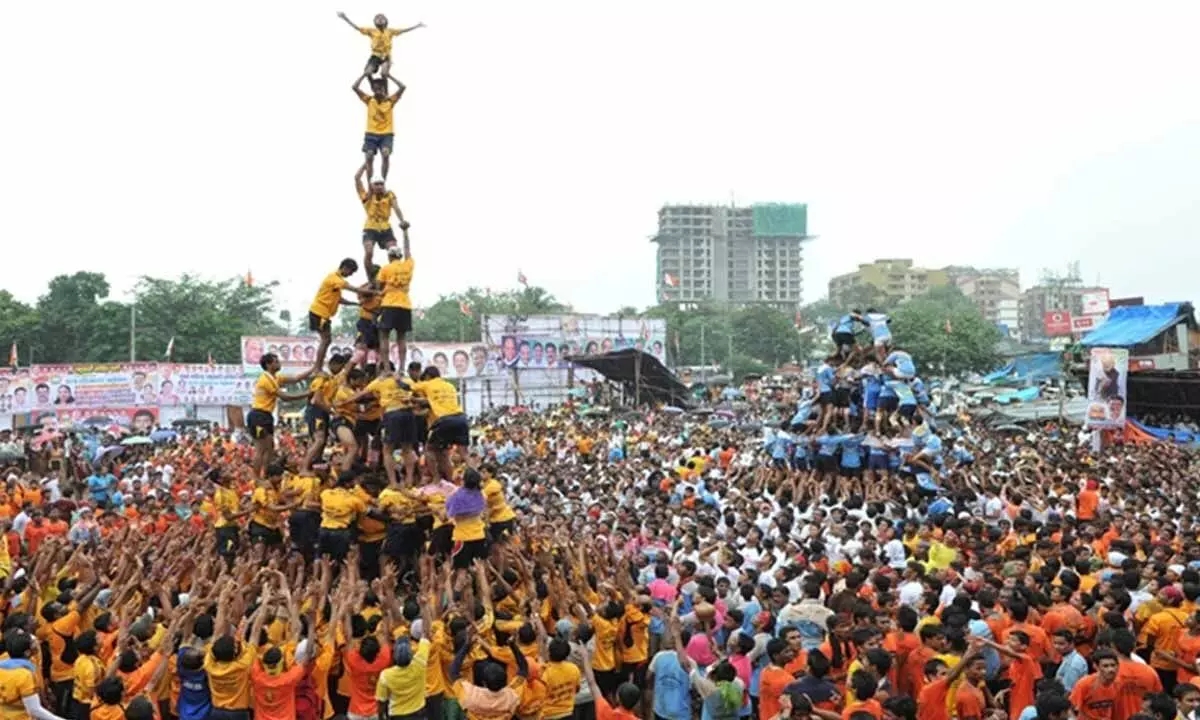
pixel 45 437
pixel 97 421
pixel 672 410
pixel 718 423
pixel 595 412
pixel 137 440
pixel 726 413
pixel 109 452
pixel 160 436
pixel 189 422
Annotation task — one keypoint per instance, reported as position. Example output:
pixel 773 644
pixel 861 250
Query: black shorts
pixel 449 431
pixel 315 419
pixel 261 424
pixel 403 540
pixel 339 422
pixel 303 527
pixel 466 552
pixel 422 425
pixel 266 535
pixel 383 238
pixel 850 472
pixel 841 397
pixel 827 463
pixel 843 339
pixel 395 318
pixel 335 543
pixel 317 324
pixel 227 540
pixel 825 398
pixel 377 61
pixel 889 404
pixel 636 672
pixel 364 429
pixel 609 681
pixel 878 463
pixel 400 429
pixel 908 411
pixel 367 335
pixel 440 542
pixel 499 530
pixel 374 142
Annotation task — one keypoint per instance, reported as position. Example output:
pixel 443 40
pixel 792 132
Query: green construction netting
pixel 780 219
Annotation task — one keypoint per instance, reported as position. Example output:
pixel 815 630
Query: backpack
pixel 308 702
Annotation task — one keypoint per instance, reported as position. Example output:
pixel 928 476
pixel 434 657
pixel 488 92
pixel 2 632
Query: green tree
pixel 203 316
pixel 750 339
pixel 18 324
pixel 445 321
pixel 70 318
pixel 945 333
pixel 763 333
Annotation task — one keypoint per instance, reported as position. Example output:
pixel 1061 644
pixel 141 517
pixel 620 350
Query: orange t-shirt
pixel 1094 700
pixel 1086 505
pixel 870 706
pixel 1024 672
pixel 969 702
pixel 771 683
pixel 931 704
pixel 363 676
pixel 275 695
pixel 1134 682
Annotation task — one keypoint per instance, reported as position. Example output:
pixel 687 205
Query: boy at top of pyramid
pixel 381 43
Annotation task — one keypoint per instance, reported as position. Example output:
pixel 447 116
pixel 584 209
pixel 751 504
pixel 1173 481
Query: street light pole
pixel 133 329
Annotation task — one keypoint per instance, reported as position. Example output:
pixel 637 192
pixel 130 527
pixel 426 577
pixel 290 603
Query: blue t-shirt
pixel 903 362
pixel 195 701
pixel 845 324
pixel 828 444
pixel 99 487
pixel 672 687
pixel 825 378
pixel 852 451
pixel 871 385
pixel 878 322
pixel 901 390
pixel 919 389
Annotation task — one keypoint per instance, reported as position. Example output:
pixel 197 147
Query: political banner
pixel 119 385
pixel 297 354
pixel 544 341
pixel 1107 372
pixel 136 419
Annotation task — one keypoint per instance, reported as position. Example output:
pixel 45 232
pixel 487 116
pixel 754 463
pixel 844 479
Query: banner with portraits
pixel 120 385
pixel 1108 371
pixel 136 419
pixel 544 341
pixel 297 354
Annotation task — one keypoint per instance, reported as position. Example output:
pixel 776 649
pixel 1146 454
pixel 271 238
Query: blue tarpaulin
pixel 1183 437
pixel 1027 369
pixel 1135 324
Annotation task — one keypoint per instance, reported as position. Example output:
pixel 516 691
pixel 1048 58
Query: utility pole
pixel 702 363
pixel 133 329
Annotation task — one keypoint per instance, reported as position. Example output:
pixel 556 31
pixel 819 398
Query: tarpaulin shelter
pixel 1027 369
pixel 640 372
pixel 1129 325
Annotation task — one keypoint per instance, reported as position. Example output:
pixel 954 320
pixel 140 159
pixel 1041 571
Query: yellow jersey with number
pixel 263 498
pixel 378 209
pixel 392 395
pixel 329 296
pixel 379 115
pixel 381 40
pixel 442 398
pixel 395 279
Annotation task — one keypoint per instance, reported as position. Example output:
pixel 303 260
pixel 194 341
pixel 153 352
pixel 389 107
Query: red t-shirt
pixel 363 676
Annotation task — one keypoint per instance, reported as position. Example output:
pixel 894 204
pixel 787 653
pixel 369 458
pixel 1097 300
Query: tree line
pixel 76 321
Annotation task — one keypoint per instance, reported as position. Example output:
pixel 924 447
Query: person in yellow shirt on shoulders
pixel 317 412
pixel 260 421
pixel 395 313
pixel 380 122
pixel 501 518
pixel 329 296
pixel 381 42
pixel 340 508
pixel 448 424
pixel 379 204
pixel 394 399
pixel 266 521
pixel 304 521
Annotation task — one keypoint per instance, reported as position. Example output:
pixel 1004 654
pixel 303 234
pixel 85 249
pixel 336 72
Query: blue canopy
pixel 1135 324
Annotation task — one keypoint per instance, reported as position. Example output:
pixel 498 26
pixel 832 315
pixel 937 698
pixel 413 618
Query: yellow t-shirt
pixel 395 278
pixel 368 306
pixel 262 498
pixel 338 508
pixel 329 296
pixel 89 671
pixel 435 669
pixel 381 40
pixel 225 500
pixel 379 212
pixel 306 489
pixel 392 396
pixel 266 393
pixel 344 409
pixel 605 657
pixel 379 115
pixel 370 530
pixel 229 682
pixel 324 387
pixel 562 683
pixel 468 528
pixel 498 508
pixel 403 688
pixel 398 505
pixel 16 682
pixel 442 397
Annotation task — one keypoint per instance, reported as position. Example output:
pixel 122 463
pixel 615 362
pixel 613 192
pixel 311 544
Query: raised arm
pixel 410 28
pixel 362 169
pixel 357 88
pixel 400 88
pixel 349 22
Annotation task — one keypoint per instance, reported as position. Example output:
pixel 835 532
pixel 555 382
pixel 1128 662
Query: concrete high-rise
pixel 737 255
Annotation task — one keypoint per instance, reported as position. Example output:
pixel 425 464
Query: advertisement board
pixel 119 385
pixel 1056 323
pixel 138 419
pixel 1084 324
pixel 1108 370
pixel 297 354
pixel 542 341
pixel 1094 302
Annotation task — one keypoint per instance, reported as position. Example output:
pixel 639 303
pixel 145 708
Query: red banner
pixel 1057 323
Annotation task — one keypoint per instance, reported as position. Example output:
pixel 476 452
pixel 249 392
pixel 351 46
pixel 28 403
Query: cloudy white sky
pixel 153 138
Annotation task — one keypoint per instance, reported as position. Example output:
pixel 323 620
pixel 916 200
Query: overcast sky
pixel 154 138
